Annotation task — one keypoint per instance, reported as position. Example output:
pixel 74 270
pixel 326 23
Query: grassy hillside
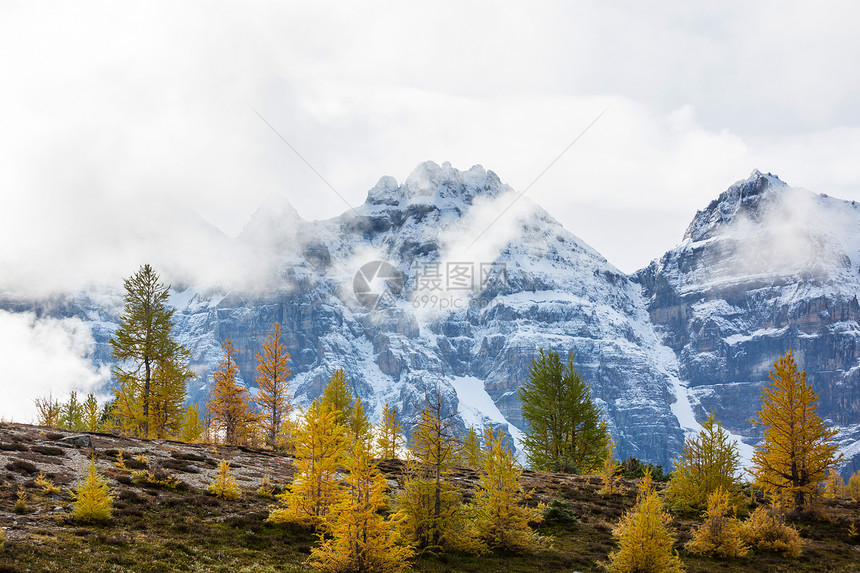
pixel 156 528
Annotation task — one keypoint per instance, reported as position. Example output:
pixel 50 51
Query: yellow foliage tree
pixel 230 411
pixel 797 448
pixel 501 520
pixel 644 540
pixel 48 408
pixel 224 486
pixel 470 454
pixel 710 460
pixel 720 534
pixel 359 428
pixel 609 472
pixel 852 490
pixel 389 433
pixel 273 372
pixel 91 414
pixel 191 429
pixel 429 507
pixel 338 398
pixel 167 399
pixel 766 530
pixel 361 538
pixel 319 442
pixel 93 497
pixel 834 485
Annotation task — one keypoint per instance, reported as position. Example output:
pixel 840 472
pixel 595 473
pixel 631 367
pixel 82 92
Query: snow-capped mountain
pixel 763 269
pixel 451 280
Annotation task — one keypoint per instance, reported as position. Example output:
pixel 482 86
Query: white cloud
pixel 42 356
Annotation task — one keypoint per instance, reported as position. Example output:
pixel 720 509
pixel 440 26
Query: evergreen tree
pixel 565 428
pixel 797 448
pixel 191 429
pixel 229 403
pixel 93 498
pixel 142 341
pixel 91 414
pixel 502 521
pixel 361 538
pixel 710 460
pixel 72 413
pixel 852 489
pixel 389 433
pixel 609 473
pixel 337 397
pixel 273 372
pixel 644 541
pixel 49 411
pixel 319 443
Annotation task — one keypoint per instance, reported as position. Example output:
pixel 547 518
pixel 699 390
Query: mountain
pixel 763 269
pixel 451 282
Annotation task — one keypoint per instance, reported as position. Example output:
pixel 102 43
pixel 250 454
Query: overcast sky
pixel 118 121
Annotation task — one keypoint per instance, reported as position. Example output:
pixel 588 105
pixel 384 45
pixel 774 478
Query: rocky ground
pixel 182 528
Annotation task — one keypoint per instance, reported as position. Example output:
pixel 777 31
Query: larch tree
pixel 358 427
pixel 389 433
pixel 93 499
pixel 48 409
pixel 798 448
pixel 319 443
pixel 429 506
pixel 273 373
pixel 644 540
pixel 141 341
pixel 92 414
pixel 566 431
pixel 167 400
pixel 502 519
pixel 362 539
pixel 471 454
pixel 338 397
pixel 191 429
pixel 72 413
pixel 709 460
pixel 231 416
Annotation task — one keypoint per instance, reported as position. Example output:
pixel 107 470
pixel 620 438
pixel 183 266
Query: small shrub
pixel 558 511
pixel 21 503
pixel 48 487
pixel 224 486
pixel 94 498
pixel 719 535
pixel 266 488
pixel 766 530
pixel 156 477
pixel 120 462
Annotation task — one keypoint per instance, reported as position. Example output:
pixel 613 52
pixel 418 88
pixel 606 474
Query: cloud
pixel 42 356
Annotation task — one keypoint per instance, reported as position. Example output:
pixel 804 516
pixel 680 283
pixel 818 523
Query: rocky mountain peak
pixel 749 197
pixel 440 185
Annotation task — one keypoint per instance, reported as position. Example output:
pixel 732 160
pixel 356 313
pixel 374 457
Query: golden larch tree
pixel 389 433
pixel 337 397
pixel 273 373
pixel 93 499
pixel 470 454
pixel 48 408
pixel 359 428
pixel 362 539
pixel 92 413
pixel 230 410
pixel 502 519
pixel 191 429
pixel 710 460
pixel 167 398
pixel 798 448
pixel 319 446
pixel 720 534
pixel 644 541
pixel 429 506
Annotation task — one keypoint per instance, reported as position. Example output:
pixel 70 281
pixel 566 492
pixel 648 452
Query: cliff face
pixel 762 269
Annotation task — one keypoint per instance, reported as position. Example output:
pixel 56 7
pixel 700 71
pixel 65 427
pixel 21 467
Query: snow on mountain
pixel 764 268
